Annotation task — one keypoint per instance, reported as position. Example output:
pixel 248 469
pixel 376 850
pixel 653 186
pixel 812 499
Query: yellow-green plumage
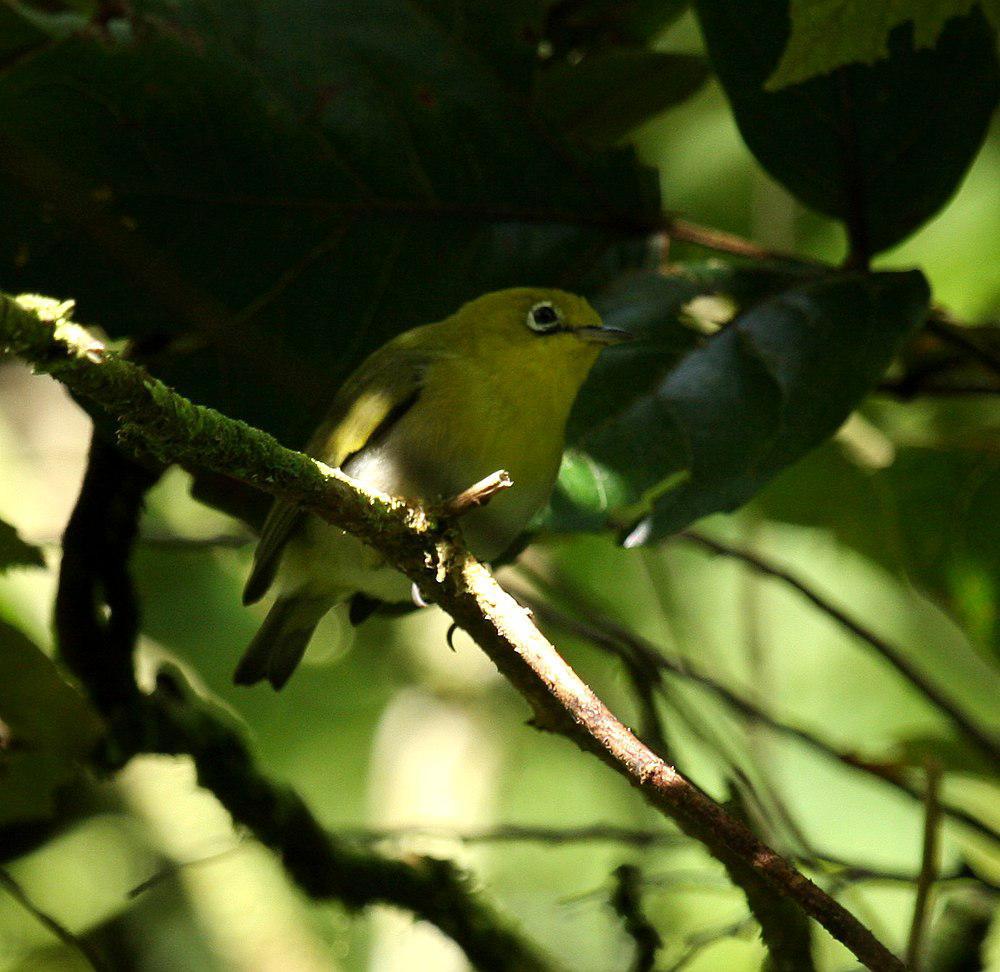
pixel 428 414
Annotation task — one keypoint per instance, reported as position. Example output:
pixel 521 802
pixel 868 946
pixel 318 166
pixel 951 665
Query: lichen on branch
pixel 156 419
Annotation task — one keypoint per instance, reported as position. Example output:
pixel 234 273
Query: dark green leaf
pixel 691 426
pixel 264 194
pixel 880 147
pixel 827 34
pixel 778 382
pixel 608 93
pixel 14 552
pixel 46 729
pixel 625 442
pixel 507 35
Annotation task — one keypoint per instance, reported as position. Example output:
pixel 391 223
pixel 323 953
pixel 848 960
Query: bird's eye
pixel 544 317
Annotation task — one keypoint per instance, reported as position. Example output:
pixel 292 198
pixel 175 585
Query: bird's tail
pixel 279 645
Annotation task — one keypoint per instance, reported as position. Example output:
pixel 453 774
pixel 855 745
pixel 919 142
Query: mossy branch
pixel 322 865
pixel 155 419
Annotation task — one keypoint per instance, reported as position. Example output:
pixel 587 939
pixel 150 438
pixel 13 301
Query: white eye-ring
pixel 544 317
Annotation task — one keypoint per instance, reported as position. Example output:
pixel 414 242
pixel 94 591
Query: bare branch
pixel 159 421
pixel 519 833
pixel 948 330
pixel 96 621
pixel 89 955
pixel 610 636
pixel 479 494
pixel 723 242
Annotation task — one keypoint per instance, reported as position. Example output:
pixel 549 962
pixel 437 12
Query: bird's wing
pixel 368 404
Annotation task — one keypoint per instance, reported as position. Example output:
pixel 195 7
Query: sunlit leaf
pixel 828 34
pixel 932 512
pixel 46 729
pixel 879 147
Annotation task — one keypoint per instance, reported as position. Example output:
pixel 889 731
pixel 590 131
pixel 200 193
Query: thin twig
pixel 517 833
pixel 697 943
pixel 159 421
pixel 928 867
pixel 606 634
pixel 176 867
pixel 508 833
pixel 723 242
pixel 60 931
pixel 941 325
pixel 907 391
pixel 479 494
pixel 626 899
pixel 978 736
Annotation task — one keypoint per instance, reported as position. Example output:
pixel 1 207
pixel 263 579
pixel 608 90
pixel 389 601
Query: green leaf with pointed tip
pixel 827 34
pixel 678 425
pixel 46 729
pixel 624 443
pixel 14 552
pixel 777 382
pixel 881 147
pixel 603 97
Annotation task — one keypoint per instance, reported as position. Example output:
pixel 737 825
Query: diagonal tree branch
pixel 321 864
pixel 97 623
pixel 618 641
pixel 157 420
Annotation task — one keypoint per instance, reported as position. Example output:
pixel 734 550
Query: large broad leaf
pixel 827 34
pixel 267 192
pixel 46 729
pixel 681 429
pixel 14 552
pixel 880 147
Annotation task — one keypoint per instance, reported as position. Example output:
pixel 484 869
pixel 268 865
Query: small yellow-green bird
pixel 427 415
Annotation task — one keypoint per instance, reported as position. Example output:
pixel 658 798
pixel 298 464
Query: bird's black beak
pixel 604 335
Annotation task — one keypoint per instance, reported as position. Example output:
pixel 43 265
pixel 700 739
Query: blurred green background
pixel 895 519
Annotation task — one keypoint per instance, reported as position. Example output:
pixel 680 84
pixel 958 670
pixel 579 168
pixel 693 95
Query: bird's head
pixel 552 327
